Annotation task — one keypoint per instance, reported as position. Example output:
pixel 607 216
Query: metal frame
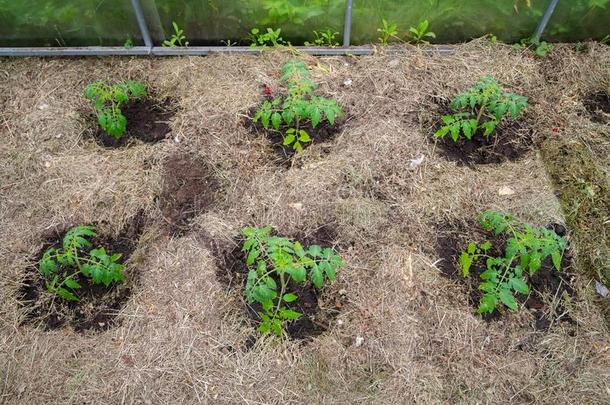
pixel 151 50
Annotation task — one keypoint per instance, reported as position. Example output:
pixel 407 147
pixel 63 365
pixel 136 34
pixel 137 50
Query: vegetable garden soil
pixel 147 120
pixel 392 325
pixel 598 106
pixel 98 305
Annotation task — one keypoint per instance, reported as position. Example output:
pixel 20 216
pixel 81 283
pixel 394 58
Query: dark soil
pixel 510 141
pixel 454 238
pixel 189 188
pixel 598 106
pixel 98 305
pixel 324 132
pixel 319 309
pixel 147 120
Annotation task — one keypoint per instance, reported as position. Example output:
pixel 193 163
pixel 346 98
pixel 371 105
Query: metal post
pixel 545 19
pixel 347 28
pixel 142 24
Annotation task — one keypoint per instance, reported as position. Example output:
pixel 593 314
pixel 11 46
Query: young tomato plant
pixel 482 107
pixel 270 38
pixel 325 38
pixel 298 108
pixel 273 263
pixel 526 248
pixel 177 39
pixel 107 100
pixel 63 267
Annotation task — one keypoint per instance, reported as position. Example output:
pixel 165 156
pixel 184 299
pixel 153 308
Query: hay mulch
pixel 404 331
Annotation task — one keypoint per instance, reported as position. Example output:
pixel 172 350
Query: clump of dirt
pixel 98 305
pixel 454 238
pixel 323 132
pixel 510 141
pixel 584 193
pixel 319 308
pixel 147 120
pixel 598 106
pixel 189 188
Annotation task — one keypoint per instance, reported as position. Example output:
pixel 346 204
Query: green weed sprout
pixel 177 39
pixel 482 107
pixel 298 108
pixel 386 32
pixel 420 33
pixel 107 100
pixel 273 263
pixel 271 38
pixel 63 267
pixel 526 248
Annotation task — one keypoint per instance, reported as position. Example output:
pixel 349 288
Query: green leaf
pixel 67 295
pixel 289 139
pixel 508 299
pixel 519 285
pixel 556 257
pixel 304 136
pixel 317 278
pixel 316 116
pixel 465 263
pixel 71 283
pixel 252 256
pixel 487 304
pixel 289 297
pixel 289 314
pixel 315 251
pixel 276 120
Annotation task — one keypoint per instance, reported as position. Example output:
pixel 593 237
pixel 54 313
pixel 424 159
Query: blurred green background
pixel 210 22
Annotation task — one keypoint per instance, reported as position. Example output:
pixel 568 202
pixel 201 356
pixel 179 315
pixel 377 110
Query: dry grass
pixel 407 333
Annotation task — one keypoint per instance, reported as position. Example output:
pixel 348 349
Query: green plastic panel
pixel 460 20
pixel 67 23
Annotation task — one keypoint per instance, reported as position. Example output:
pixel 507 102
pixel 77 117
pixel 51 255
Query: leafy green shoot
pixel 298 108
pixel 270 38
pixel 273 263
pixel 482 107
pixel 107 100
pixel 526 248
pixel 386 32
pixel 178 39
pixel 325 38
pixel 63 267
pixel 420 33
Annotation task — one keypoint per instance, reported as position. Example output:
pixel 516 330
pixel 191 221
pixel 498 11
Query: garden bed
pixel 393 325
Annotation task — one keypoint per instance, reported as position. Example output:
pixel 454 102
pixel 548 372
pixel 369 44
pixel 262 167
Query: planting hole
pixel 324 132
pixel 319 307
pixel 547 285
pixel 98 305
pixel 147 120
pixel 510 141
pixel 598 106
pixel 189 188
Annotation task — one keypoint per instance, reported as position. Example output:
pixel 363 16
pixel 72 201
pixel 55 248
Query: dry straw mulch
pixel 406 333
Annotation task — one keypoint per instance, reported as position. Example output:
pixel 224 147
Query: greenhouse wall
pixel 56 23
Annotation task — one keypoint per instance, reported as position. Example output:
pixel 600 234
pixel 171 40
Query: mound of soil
pixel 147 120
pixel 319 309
pixel 510 141
pixel 454 238
pixel 598 106
pixel 324 132
pixel 189 188
pixel 98 305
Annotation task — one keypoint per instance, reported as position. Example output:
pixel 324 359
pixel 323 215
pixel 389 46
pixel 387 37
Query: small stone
pixel 340 322
pixel 359 341
pixel 177 140
pixel 505 190
pixel 394 63
pixel 347 82
pixel 43 106
pixel 342 291
pixel 47 164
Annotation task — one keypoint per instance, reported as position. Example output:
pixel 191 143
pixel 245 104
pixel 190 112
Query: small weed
pixel 325 38
pixel 271 38
pixel 298 107
pixel 107 100
pixel 128 43
pixel 540 48
pixel 605 40
pixel 63 267
pixel 526 248
pixel 420 33
pixel 482 107
pixel 177 39
pixel 386 32
pixel 273 262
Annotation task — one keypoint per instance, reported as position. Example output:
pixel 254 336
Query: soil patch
pixel 324 132
pixel 98 305
pixel 189 188
pixel 147 120
pixel 319 308
pixel 598 106
pixel 546 283
pixel 510 141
